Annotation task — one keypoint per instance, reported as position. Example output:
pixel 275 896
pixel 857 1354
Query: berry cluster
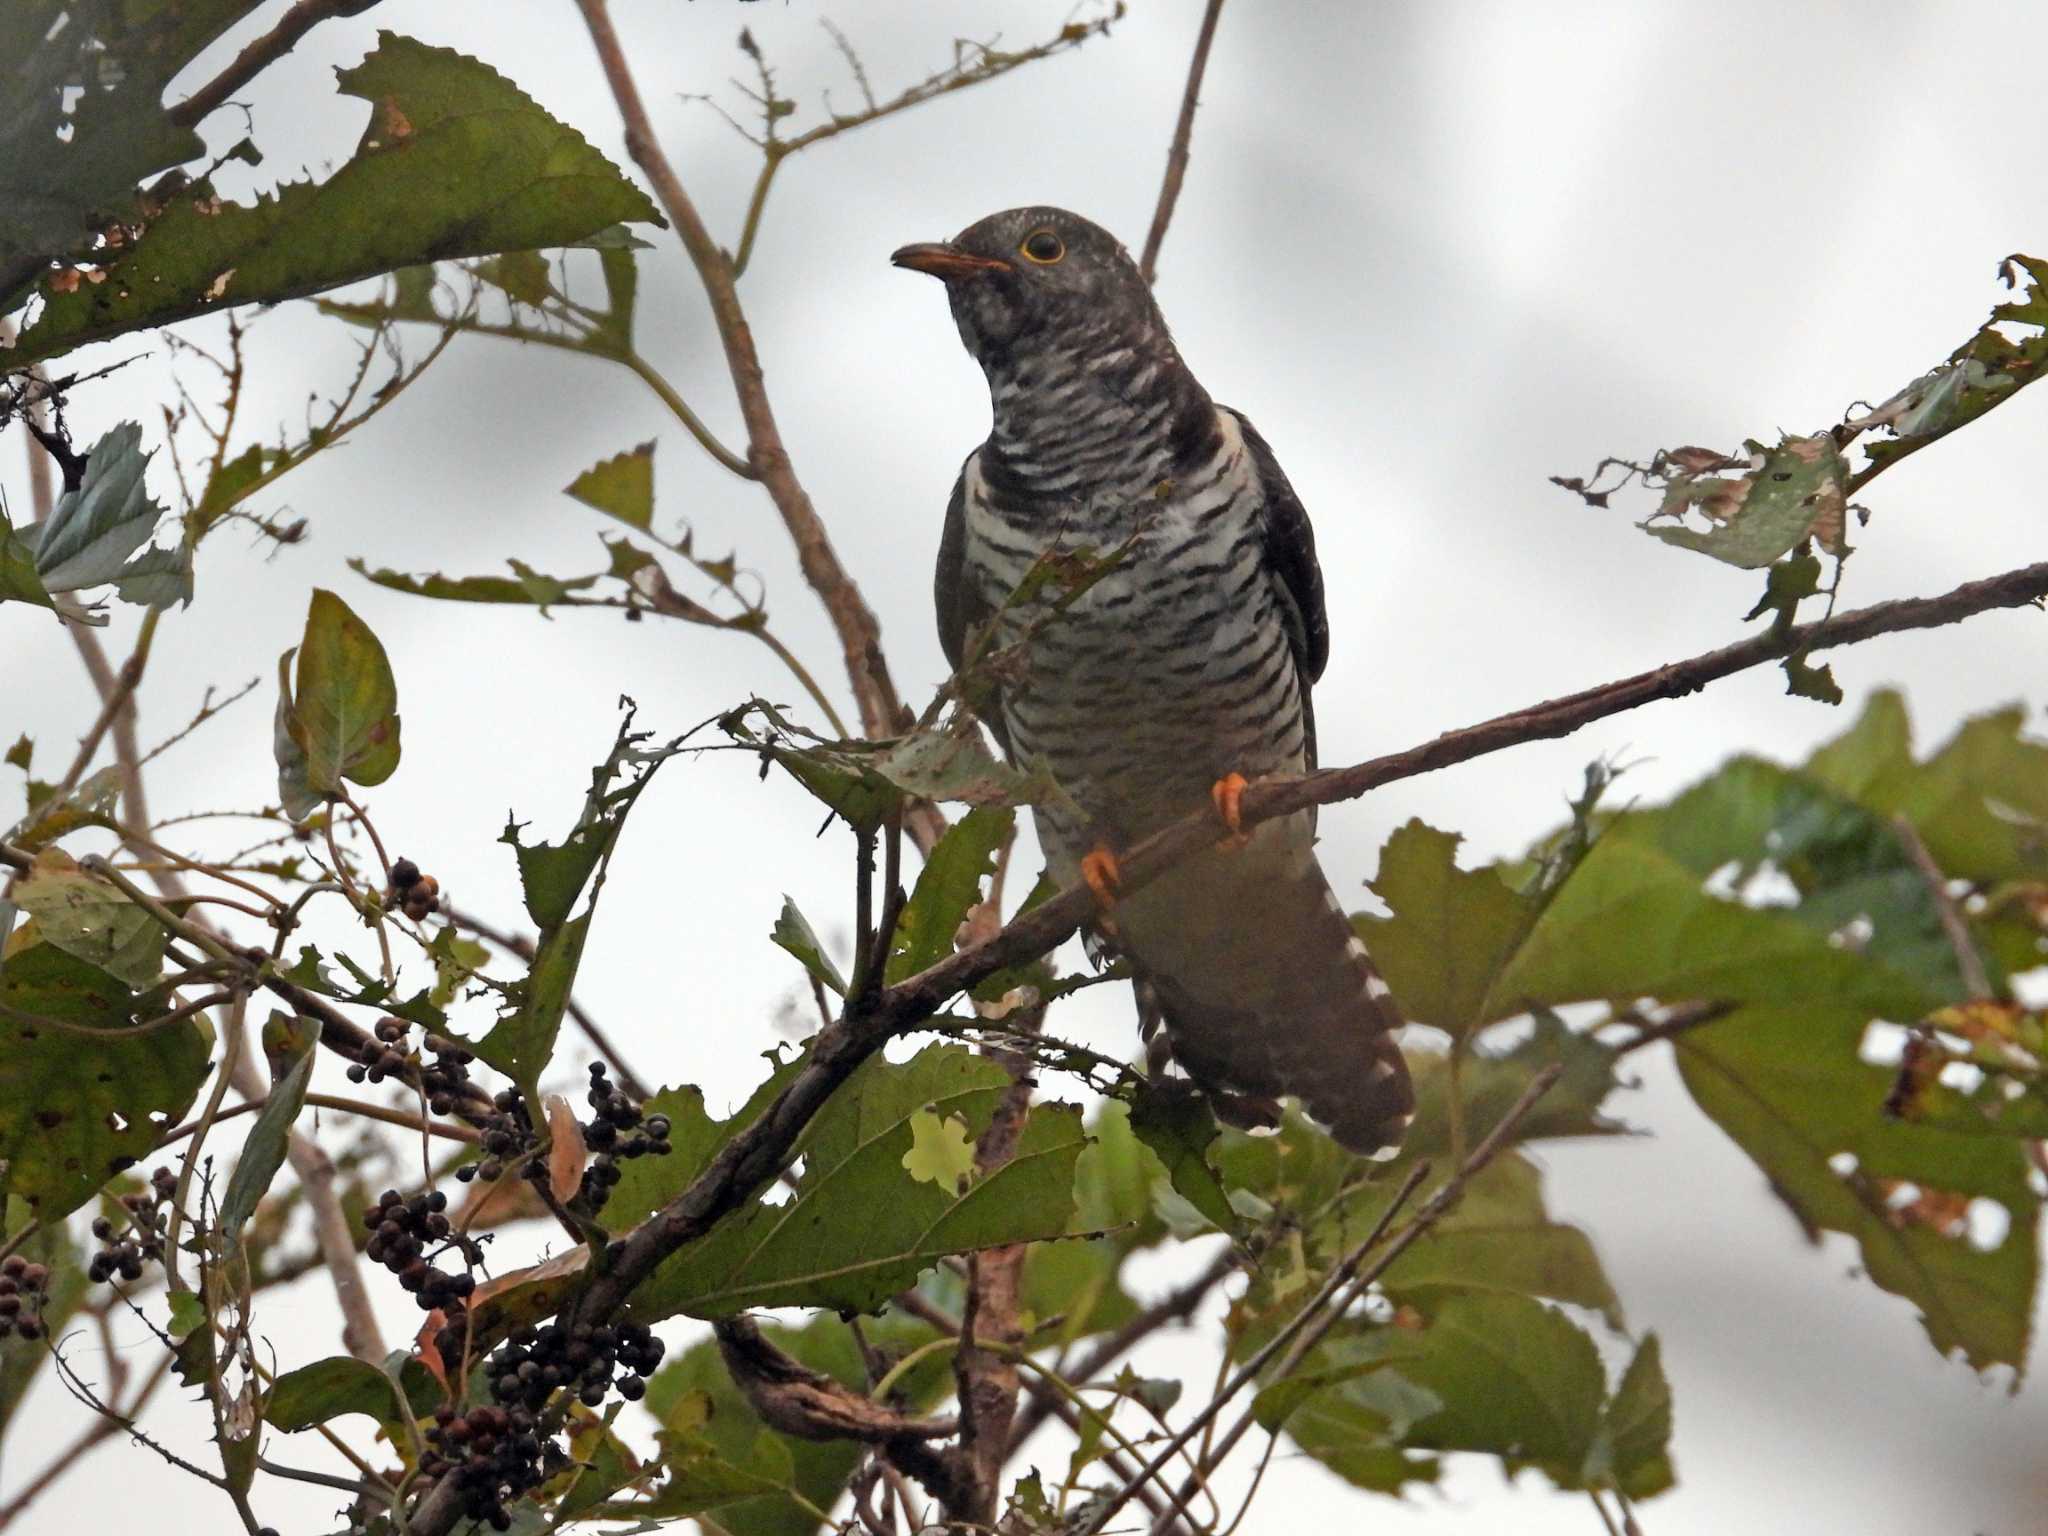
pixel 403 1230
pixel 22 1287
pixel 617 1129
pixel 414 894
pixel 507 1133
pixel 123 1249
pixel 494 1455
pixel 444 1079
pixel 588 1357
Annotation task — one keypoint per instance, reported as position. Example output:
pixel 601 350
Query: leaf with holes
pixel 454 161
pixel 83 1093
pixel 1946 1220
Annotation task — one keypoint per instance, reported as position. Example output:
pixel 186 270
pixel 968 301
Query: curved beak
pixel 947 262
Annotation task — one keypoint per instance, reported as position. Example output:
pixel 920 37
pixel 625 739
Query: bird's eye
pixel 1043 247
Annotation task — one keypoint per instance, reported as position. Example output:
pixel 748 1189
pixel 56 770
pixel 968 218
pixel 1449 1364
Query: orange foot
pixel 1228 793
pixel 1099 869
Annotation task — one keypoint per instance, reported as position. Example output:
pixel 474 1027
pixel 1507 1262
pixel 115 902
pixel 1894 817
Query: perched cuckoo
pixel 1171 680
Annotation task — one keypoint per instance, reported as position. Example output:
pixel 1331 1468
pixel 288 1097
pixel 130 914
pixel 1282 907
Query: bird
pixel 1179 673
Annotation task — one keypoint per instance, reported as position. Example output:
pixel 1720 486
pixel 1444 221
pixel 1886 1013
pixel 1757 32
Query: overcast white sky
pixel 1438 253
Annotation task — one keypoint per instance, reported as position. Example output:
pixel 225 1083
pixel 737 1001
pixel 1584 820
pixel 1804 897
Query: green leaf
pixel 86 120
pixel 290 1043
pixel 1633 1451
pixel 524 586
pixel 341 719
pixel 1515 1379
pixel 859 1226
pixel 554 877
pixel 1793 491
pixel 187 1314
pixel 18 580
pixel 91 533
pixel 1788 582
pixel 85 916
pixel 455 161
pixel 793 932
pixel 621 487
pixel 1789 1086
pixel 1450 934
pixel 948 887
pixel 1500 1239
pixel 1985 371
pixel 78 1100
pixel 1806 681
pixel 328 1389
pixel 1174 1120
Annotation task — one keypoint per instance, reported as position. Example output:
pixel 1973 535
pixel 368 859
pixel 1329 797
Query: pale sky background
pixel 1438 253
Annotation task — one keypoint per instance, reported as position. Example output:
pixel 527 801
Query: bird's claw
pixel 1228 794
pixel 1099 869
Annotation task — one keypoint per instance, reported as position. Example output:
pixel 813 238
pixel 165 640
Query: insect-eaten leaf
pixel 1795 491
pixel 621 487
pixel 454 161
pixel 340 721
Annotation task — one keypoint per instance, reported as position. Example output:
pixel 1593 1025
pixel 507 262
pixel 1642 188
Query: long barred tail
pixel 1266 990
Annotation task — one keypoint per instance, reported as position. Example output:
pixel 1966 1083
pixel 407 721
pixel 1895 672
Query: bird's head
pixel 1039 279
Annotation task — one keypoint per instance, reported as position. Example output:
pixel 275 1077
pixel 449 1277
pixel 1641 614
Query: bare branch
pixel 860 635
pixel 1177 155
pixel 1969 964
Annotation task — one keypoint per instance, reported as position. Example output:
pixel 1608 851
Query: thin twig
pixel 1969 964
pixel 860 635
pixel 1320 1320
pixel 259 55
pixel 1177 155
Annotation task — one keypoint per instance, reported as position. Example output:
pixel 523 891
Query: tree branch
pixel 260 55
pixel 860 635
pixel 1052 922
pixel 1177 155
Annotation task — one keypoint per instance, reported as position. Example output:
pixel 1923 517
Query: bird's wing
pixel 960 608
pixel 1298 579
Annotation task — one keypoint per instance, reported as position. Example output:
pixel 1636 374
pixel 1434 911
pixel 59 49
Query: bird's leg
pixel 1227 793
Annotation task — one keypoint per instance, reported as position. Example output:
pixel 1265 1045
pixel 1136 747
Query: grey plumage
pixel 1192 659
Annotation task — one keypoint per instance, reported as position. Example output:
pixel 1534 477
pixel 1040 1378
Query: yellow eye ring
pixel 1043 247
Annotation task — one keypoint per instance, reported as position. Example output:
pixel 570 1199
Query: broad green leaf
pixel 947 888
pixel 86 916
pixel 1789 1086
pixel 956 765
pixel 1491 1078
pixel 859 1226
pixel 1174 1120
pixel 79 1099
pixel 290 1044
pixel 793 933
pixel 341 715
pixel 621 487
pixel 327 1389
pixel 455 161
pixel 1786 494
pixel 19 582
pixel 1450 931
pixel 1352 1415
pixel 91 533
pixel 1500 1238
pixel 85 121
pixel 1515 1379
